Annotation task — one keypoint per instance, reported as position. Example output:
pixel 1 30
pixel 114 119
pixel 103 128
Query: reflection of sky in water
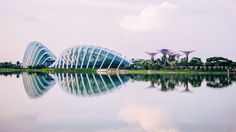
pixel 134 107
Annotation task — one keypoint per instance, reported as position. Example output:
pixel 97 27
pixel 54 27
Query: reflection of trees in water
pixel 10 74
pixel 219 81
pixel 94 84
pixel 168 82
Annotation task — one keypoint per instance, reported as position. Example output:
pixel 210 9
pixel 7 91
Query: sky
pixel 129 27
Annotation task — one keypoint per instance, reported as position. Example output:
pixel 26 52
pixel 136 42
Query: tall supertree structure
pixel 172 55
pixel 187 52
pixel 152 54
pixel 164 52
pixel 177 55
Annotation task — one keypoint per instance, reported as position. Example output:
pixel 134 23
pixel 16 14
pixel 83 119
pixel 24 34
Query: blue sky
pixel 130 27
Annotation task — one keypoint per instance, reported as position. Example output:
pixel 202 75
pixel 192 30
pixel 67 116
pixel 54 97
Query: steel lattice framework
pixel 84 56
pixel 36 54
pixel 77 57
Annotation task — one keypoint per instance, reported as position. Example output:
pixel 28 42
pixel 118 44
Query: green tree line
pixel 212 63
pixel 10 65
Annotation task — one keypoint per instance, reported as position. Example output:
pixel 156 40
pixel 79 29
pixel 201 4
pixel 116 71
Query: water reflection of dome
pixel 90 84
pixel 37 85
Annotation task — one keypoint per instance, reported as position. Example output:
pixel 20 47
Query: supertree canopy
pixel 152 54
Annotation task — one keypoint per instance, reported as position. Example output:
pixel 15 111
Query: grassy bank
pixel 47 70
pixel 110 71
pixel 174 72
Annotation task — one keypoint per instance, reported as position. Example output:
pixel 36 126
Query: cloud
pixel 150 18
pixel 149 118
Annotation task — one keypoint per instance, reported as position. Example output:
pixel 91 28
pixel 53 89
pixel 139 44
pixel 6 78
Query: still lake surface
pixel 117 103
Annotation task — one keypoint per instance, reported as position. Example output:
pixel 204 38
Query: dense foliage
pixel 10 65
pixel 212 63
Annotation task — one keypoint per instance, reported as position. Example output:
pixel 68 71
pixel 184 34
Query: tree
pixel 218 61
pixel 182 62
pixel 195 61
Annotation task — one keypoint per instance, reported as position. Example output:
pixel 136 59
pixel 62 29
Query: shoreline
pixel 111 71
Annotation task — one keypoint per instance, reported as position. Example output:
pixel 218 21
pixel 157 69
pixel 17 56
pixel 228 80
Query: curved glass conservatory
pixel 84 56
pixel 36 54
pixel 78 57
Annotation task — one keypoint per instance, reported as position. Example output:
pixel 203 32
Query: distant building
pixel 36 54
pixel 77 57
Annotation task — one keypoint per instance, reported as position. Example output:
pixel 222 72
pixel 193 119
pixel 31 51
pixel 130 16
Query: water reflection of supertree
pixel 152 85
pixel 196 80
pixel 186 82
pixel 169 82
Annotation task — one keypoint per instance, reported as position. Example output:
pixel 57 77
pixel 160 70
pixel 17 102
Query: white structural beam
pixel 104 59
pixel 111 80
pixel 90 57
pixel 85 52
pixel 95 80
pixel 73 58
pixel 34 51
pixel 40 59
pixel 120 63
pixel 97 58
pixel 84 88
pixel 38 53
pixel 77 59
pixel 90 86
pixel 104 83
pixel 112 61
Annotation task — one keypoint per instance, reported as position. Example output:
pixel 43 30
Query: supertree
pixel 177 55
pixel 164 52
pixel 187 52
pixel 152 54
pixel 172 55
pixel 173 58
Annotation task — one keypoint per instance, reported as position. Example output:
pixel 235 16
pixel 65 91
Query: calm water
pixel 117 103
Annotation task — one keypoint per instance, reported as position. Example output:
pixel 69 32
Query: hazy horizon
pixel 129 27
